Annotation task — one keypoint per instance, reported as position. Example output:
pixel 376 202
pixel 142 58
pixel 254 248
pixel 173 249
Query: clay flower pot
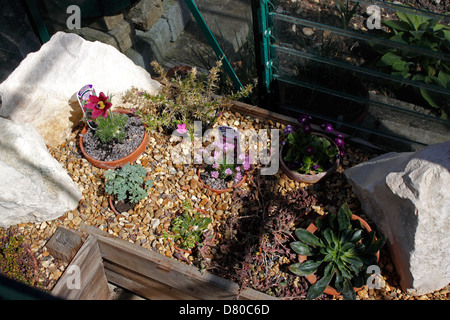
pixel 112 206
pixel 219 191
pixel 309 178
pixel 312 277
pixel 120 162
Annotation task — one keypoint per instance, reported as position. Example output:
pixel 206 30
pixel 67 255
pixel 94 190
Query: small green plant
pixel 127 183
pixel 346 11
pixel 309 153
pixel 340 251
pixel 183 100
pixel 427 33
pixel 108 125
pixel 111 127
pixel 16 261
pixel 187 230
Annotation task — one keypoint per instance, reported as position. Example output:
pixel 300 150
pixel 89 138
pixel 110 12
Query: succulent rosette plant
pixel 307 152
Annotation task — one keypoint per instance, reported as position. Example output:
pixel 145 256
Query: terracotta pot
pixel 312 277
pixel 309 178
pixel 111 205
pixel 219 191
pixel 120 162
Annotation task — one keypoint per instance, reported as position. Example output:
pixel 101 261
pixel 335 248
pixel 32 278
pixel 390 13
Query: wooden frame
pixel 106 258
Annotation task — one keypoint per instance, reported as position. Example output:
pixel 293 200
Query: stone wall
pixel 143 32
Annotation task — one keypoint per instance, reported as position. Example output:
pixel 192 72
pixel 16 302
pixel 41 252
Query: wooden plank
pixel 64 244
pixel 84 278
pixel 142 285
pixel 171 272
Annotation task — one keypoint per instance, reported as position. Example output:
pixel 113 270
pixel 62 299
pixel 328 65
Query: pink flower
pixel 246 164
pixel 216 165
pixel 181 128
pixel 228 171
pixel 238 177
pixel 99 105
pixel 215 174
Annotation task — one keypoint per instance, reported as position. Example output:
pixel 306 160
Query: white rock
pixel 42 89
pixel 33 185
pixel 407 196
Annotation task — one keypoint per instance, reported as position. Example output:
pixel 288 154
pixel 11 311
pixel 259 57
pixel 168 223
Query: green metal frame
pixel 262 31
pixel 213 43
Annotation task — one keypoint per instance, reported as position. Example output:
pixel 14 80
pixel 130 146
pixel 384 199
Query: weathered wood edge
pixel 157 267
pixel 88 271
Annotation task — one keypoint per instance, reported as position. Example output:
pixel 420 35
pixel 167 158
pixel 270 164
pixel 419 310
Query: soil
pixel 115 150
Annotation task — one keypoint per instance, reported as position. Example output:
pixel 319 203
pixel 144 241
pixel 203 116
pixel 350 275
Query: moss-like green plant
pixel 127 183
pixel 340 251
pixel 16 261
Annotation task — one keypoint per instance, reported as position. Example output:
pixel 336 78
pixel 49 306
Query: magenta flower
pixel 340 142
pixel 99 105
pixel 228 171
pixel 303 119
pixel 327 127
pixel 309 150
pixel 307 128
pixel 181 128
pixel 215 174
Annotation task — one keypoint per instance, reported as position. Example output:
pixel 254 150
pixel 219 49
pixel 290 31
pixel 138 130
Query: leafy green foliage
pixel 340 251
pixel 187 230
pixel 425 33
pixel 312 151
pixel 15 260
pixel 127 183
pixel 183 100
pixel 346 11
pixel 111 127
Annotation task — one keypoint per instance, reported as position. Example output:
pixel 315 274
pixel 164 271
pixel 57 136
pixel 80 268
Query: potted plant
pixel 186 97
pixel 111 139
pixel 308 156
pixel 190 229
pixel 126 187
pixel 338 247
pixel 223 169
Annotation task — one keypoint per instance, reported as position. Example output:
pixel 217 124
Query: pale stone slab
pixel 407 195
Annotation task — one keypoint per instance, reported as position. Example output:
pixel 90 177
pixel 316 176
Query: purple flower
pixel 340 142
pixel 246 164
pixel 228 171
pixel 215 174
pixel 309 150
pixel 342 153
pixel 283 143
pixel 238 177
pixel 216 165
pixel 316 166
pixel 307 128
pixel 181 128
pixel 303 119
pixel 327 127
pixel 288 129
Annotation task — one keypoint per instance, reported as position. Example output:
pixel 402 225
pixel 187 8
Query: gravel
pixel 173 185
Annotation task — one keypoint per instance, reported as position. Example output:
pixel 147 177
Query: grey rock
pixel 407 196
pixel 145 14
